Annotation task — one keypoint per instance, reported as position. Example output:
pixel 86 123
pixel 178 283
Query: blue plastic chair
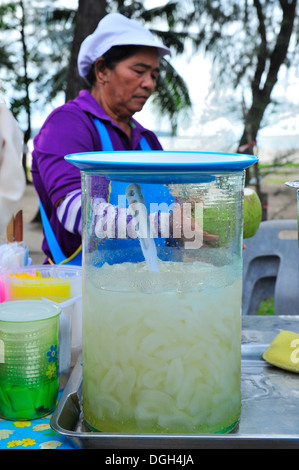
pixel 271 268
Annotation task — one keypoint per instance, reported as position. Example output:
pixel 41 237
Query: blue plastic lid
pixel 176 164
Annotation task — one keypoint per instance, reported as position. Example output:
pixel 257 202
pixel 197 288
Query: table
pixel 269 401
pixel 269 415
pixel 35 434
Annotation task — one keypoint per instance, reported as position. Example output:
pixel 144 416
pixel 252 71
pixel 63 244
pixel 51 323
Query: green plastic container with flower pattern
pixel 29 358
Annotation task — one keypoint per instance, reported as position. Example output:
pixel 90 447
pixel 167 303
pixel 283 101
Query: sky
pixel 285 123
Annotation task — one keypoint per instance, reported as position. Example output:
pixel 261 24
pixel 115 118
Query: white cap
pixel 114 30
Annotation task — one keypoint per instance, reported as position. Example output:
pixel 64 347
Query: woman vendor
pixel 120 61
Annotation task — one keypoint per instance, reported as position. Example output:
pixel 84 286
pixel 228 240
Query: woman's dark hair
pixel 112 57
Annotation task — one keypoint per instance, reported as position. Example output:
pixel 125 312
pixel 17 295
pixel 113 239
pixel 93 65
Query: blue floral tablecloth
pixel 35 434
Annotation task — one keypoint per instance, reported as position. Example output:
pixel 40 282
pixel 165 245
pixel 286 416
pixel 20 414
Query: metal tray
pixel 269 416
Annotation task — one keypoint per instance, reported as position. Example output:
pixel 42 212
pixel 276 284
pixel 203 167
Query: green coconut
pixel 220 219
pixel 252 213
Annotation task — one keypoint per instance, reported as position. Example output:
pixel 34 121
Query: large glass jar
pixel 162 290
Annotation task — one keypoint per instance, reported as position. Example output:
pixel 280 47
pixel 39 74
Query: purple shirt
pixel 71 129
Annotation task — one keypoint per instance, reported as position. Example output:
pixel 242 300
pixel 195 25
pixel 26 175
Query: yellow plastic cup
pixel 38 281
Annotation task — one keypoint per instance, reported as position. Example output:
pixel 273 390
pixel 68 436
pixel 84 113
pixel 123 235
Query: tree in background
pixel 250 43
pixel 33 67
pixel 88 14
pixel 39 44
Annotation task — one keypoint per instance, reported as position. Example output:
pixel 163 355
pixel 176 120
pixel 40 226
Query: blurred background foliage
pixel 249 41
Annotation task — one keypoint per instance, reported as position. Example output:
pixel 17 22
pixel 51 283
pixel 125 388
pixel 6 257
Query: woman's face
pixel 129 85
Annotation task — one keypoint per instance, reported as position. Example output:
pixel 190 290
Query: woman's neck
pixel 122 122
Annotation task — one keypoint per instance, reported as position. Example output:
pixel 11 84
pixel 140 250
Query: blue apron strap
pixel 106 141
pixel 144 144
pixel 55 249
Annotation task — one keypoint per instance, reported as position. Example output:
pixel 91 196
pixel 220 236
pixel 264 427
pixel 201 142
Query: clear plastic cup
pixel 29 358
pixel 45 281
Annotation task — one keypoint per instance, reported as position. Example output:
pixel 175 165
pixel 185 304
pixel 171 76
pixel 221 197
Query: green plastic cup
pixel 29 358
